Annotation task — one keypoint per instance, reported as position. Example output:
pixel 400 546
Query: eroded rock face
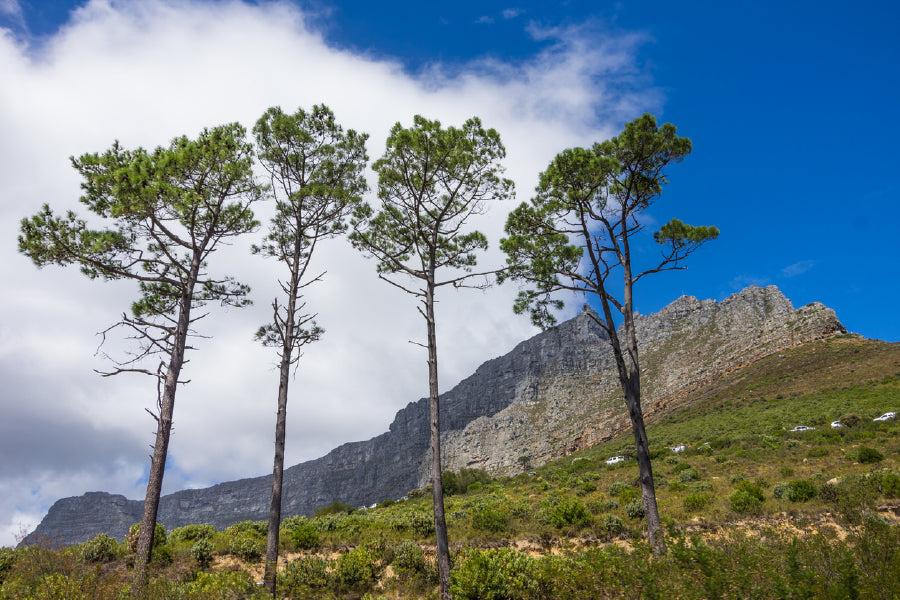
pixel 551 395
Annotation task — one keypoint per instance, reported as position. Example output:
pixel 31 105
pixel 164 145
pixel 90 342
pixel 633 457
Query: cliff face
pixel 552 394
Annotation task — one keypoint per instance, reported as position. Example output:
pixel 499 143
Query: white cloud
pixel 144 72
pixel 512 13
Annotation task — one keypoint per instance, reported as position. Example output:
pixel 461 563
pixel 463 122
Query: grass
pixel 751 510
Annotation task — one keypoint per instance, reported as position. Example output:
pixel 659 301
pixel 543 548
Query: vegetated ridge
pixel 553 394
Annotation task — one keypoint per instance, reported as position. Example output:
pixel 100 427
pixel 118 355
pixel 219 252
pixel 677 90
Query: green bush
pixel 866 455
pixel 613 524
pixel 305 537
pixel 635 509
pixel 7 560
pixel 747 498
pixel 890 484
pixel 422 524
pixel 795 491
pixel 159 537
pixel 335 508
pixel 100 549
pixel 501 574
pixel 246 545
pixel 682 466
pixel 355 568
pixel 308 572
pixel 211 586
pixel 688 475
pixel 568 511
pixel 202 552
pixel 490 517
pixel 817 452
pixel 597 507
pixel 696 501
pixel 189 533
pixel 409 559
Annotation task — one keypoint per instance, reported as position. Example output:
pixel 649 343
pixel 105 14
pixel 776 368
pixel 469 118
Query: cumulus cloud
pixel 145 72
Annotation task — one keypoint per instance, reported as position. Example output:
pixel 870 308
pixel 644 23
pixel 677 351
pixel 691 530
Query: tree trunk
pixel 440 522
pixel 163 430
pixel 271 573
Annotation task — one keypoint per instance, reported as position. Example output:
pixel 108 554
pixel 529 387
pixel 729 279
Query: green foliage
pixel 100 549
pixel 613 524
pixel 743 500
pixel 866 455
pixel 619 487
pixel 817 452
pixel 635 509
pixel 795 491
pixel 335 508
pixel 159 537
pixel 190 533
pixel 409 559
pixel 569 512
pixel 7 560
pixel 695 502
pixel 355 568
pixel 680 467
pixel 490 517
pixel 305 537
pixel 501 574
pixel 890 484
pixel 247 545
pixel 461 482
pixel 202 552
pixel 687 475
pixel 305 573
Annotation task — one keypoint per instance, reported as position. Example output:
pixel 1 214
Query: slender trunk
pixel 630 377
pixel 440 522
pixel 272 540
pixel 163 430
pixel 278 469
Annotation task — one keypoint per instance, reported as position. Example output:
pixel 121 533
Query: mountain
pixel 553 394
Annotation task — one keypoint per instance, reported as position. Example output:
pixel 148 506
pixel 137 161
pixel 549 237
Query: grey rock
pixel 553 394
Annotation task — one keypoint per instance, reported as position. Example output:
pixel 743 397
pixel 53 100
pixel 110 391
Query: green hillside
pixel 752 510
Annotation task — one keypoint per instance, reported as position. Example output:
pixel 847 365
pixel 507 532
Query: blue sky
pixel 791 107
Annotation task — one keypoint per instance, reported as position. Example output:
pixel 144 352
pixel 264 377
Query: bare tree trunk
pixel 163 430
pixel 287 332
pixel 272 540
pixel 440 522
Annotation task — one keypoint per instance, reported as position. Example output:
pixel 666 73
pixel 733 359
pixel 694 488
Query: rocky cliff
pixel 551 395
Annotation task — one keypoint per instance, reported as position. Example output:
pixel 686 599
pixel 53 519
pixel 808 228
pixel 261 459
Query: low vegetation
pixel 750 510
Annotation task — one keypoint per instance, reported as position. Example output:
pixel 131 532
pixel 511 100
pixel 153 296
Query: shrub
pixel 7 560
pixel 305 537
pixel 786 471
pixel 501 574
pixel 490 517
pixel 866 455
pixel 597 507
pixel 355 568
pixel 100 549
pixel 688 475
pixel 795 491
pixel 202 552
pixel 334 508
pixel 409 559
pixel 421 524
pixel 682 466
pixel 635 509
pixel 817 452
pixel 305 572
pixel 247 546
pixel 222 584
pixel 569 512
pixel 694 502
pixel 159 537
pixel 736 478
pixel 701 486
pixel 613 524
pixel 890 484
pixel 190 533
pixel 850 420
pixel 747 498
pixel 677 486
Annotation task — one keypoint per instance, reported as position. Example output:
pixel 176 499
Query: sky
pixel 791 107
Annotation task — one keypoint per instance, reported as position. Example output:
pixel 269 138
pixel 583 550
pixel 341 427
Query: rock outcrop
pixel 551 395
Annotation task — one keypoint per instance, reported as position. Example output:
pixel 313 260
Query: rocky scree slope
pixel 551 395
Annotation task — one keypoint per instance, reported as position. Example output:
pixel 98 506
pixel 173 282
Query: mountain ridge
pixel 552 394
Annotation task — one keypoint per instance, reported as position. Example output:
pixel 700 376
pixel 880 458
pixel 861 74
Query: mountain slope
pixel 552 394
